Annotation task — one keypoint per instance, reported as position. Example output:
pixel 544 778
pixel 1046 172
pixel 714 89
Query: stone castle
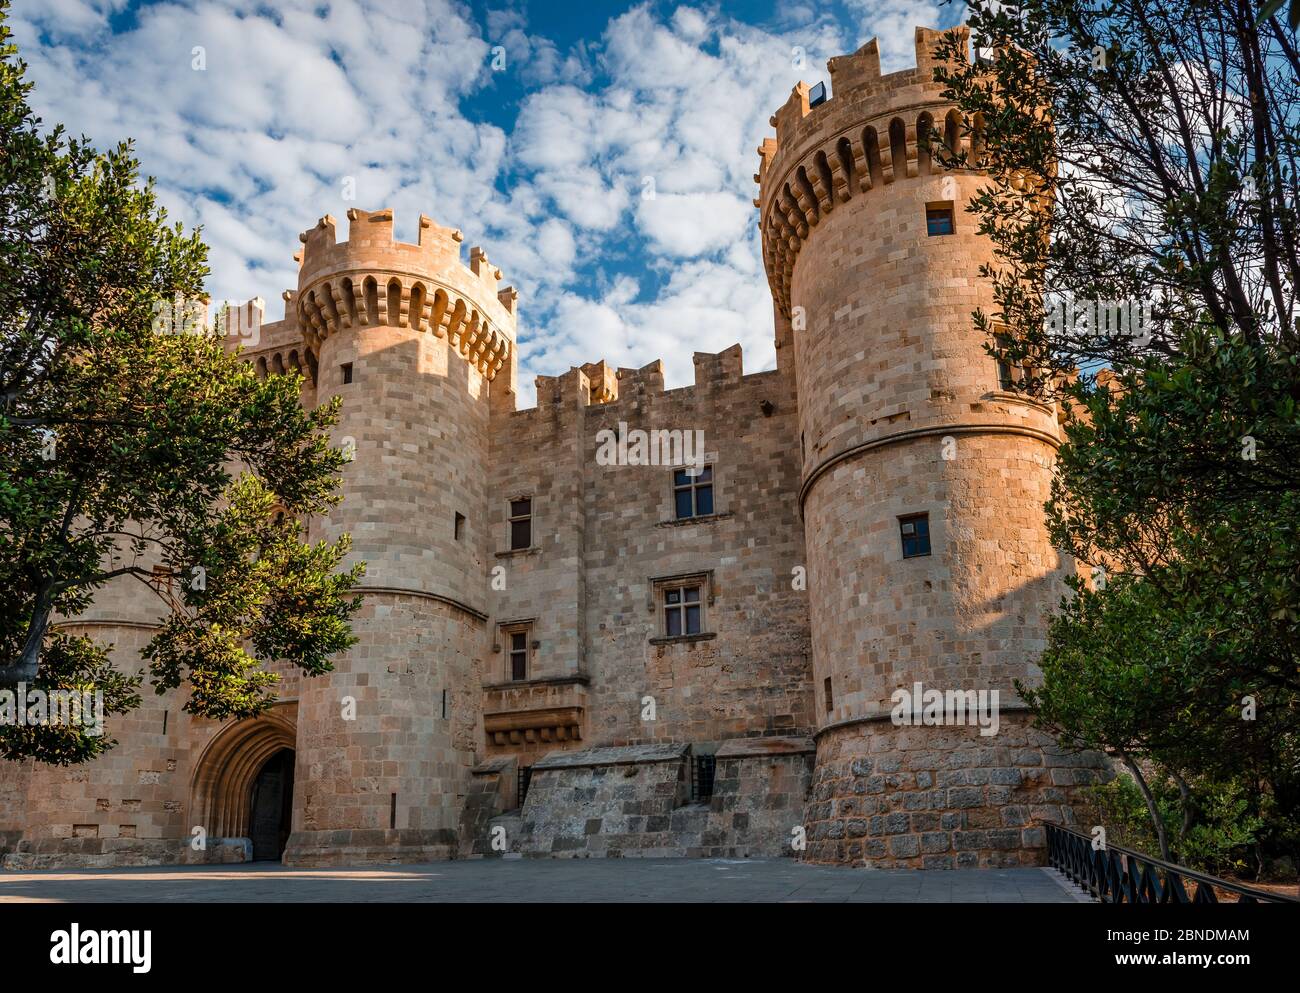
pixel 697 655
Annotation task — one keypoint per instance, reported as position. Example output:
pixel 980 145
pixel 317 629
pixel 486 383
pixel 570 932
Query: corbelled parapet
pixel 372 280
pixel 866 135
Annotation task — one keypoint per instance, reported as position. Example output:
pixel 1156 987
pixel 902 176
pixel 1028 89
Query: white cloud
pixel 894 24
pixel 300 96
pixel 689 224
pixel 691 24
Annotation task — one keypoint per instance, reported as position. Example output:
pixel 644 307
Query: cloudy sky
pixel 536 128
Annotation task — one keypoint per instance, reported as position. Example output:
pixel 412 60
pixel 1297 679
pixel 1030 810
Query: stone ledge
pixel 684 639
pixel 617 755
pixel 510 553
pixel 579 679
pixel 773 746
pixel 374 846
pixel 679 522
pixel 886 716
pixel 492 766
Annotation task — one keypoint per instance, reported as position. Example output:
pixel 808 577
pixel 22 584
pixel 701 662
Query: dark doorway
pixel 272 807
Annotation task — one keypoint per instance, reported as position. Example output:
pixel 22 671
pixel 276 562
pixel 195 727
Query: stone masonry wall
pixel 902 412
pixel 760 788
pixel 604 534
pixel 635 801
pixel 941 797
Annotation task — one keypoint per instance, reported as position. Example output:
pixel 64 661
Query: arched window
pixel 372 300
pixel 871 142
pixel 350 300
pixel 845 152
pixel 924 156
pixel 438 312
pixel 417 306
pixel 952 131
pixel 394 303
pixel 898 146
pixel 824 171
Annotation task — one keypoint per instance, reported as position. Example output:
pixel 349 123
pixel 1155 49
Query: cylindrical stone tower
pixel 923 484
pixel 411 338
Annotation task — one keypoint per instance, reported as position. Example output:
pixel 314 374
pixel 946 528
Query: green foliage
pixel 1271 8
pixel 1186 654
pixel 124 449
pixel 71 663
pixel 1147 152
pixel 1117 171
pixel 1220 841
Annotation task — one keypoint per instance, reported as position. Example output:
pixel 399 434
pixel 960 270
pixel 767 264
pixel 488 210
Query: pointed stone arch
pixel 222 785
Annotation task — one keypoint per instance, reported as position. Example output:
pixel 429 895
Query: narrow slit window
pixel 518 655
pixel 826 693
pixel 459 525
pixel 915 532
pixel 693 494
pixel 521 524
pixel 346 368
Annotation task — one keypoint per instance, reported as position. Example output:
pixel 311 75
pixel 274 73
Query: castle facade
pixel 635 621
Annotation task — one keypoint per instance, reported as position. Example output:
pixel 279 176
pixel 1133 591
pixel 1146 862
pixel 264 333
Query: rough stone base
pixel 760 787
pixel 105 853
pixel 314 849
pixel 9 841
pixel 491 793
pixel 610 802
pixel 634 801
pixel 941 797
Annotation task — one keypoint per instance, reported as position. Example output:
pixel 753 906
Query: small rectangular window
pixel 521 524
pixel 459 525
pixel 518 638
pixel 826 692
pixel 682 614
pixel 518 655
pixel 693 495
pixel 938 219
pixel 915 532
pixel 1005 382
pixel 347 372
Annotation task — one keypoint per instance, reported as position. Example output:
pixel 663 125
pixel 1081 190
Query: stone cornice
pixel 903 436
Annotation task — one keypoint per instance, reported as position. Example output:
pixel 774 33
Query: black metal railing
pixel 1120 875
pixel 703 768
pixel 523 781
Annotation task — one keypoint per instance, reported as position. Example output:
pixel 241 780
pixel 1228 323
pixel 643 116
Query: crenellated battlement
pixel 597 383
pixel 871 132
pixel 372 280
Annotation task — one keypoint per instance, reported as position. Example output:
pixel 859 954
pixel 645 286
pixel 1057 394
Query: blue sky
pixel 543 160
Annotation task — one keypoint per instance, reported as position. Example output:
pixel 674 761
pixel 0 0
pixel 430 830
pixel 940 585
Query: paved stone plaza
pixel 543 880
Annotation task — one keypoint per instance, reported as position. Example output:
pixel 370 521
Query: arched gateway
pixel 243 783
